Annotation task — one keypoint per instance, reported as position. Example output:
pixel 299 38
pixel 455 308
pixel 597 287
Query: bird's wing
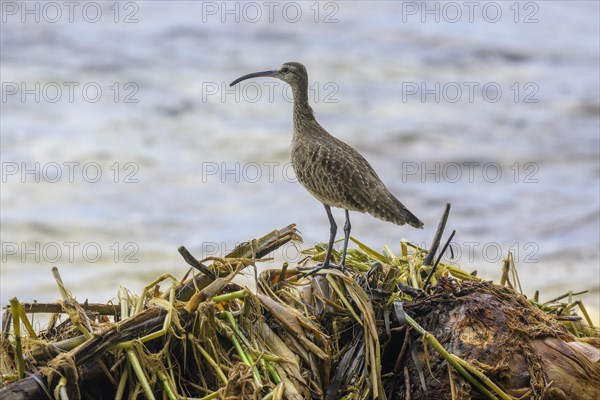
pixel 364 183
pixel 369 194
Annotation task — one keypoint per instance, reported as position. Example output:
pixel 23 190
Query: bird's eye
pixel 285 70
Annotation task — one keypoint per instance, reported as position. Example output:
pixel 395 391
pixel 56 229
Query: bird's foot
pixel 322 266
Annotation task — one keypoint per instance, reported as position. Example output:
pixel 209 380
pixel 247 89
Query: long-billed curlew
pixel 332 171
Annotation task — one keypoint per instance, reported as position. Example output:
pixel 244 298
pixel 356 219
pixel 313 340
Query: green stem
pixel 245 359
pixel 167 386
pixel 14 309
pixel 211 396
pixel 208 358
pixel 139 372
pixel 483 378
pixel 240 294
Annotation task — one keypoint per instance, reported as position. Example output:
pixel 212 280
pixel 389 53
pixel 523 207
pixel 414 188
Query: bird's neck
pixel 303 113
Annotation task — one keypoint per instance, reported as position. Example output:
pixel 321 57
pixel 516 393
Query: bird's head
pixel 292 73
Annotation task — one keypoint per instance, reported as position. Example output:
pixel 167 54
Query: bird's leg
pixel 332 232
pixel 347 228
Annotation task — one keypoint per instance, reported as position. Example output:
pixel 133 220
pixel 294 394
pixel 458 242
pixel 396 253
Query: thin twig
pixel 402 350
pixel 438 260
pixel 438 236
pixel 406 383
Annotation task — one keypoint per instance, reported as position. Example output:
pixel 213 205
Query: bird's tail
pixel 411 219
pixel 389 208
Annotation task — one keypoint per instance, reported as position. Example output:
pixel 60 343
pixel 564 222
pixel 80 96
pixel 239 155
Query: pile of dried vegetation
pixel 390 327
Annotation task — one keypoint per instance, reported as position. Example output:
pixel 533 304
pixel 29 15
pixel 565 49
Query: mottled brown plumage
pixel 332 171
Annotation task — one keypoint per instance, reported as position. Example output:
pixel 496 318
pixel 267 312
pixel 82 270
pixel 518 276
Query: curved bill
pixel 253 75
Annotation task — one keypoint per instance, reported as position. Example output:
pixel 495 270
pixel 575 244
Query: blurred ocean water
pixel 121 140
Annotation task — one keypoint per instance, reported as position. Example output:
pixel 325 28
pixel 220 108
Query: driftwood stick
pixel 194 263
pixel 53 308
pixel 428 261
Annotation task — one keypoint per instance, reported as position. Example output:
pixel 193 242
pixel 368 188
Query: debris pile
pixel 388 327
